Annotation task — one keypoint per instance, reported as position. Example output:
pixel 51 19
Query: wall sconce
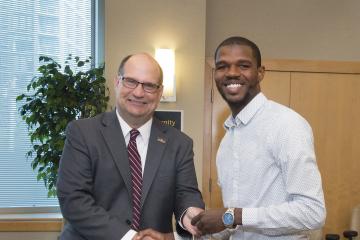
pixel 166 59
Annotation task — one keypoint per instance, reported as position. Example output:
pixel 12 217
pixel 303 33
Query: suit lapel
pixel 114 139
pixel 157 144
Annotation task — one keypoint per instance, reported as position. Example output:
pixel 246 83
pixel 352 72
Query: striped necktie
pixel 136 178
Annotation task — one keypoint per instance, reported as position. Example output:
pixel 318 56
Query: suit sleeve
pixel 187 191
pixel 74 189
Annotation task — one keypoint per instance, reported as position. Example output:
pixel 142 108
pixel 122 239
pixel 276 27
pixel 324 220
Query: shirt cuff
pixel 250 217
pixel 129 235
pixel 181 217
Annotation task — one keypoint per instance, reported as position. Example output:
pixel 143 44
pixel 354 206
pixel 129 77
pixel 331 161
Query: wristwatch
pixel 228 218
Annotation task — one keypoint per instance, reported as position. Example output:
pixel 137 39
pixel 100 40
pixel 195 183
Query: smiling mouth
pixel 137 102
pixel 233 85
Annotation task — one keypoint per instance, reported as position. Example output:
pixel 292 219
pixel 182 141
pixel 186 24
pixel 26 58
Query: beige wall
pixel 142 25
pixel 288 29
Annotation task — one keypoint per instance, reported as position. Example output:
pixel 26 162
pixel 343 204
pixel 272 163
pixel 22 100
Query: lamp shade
pixel 166 59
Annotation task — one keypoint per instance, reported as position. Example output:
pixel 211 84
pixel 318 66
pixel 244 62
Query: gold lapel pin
pixel 161 140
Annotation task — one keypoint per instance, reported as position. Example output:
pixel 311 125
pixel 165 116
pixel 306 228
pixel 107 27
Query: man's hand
pixel 209 221
pixel 151 234
pixel 188 216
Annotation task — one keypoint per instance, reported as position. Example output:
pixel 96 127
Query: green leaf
pixel 68 70
pixel 80 63
pixel 20 97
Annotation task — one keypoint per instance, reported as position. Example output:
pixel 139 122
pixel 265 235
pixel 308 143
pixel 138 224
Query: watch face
pixel 228 219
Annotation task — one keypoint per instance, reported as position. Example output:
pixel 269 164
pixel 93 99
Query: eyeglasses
pixel 132 84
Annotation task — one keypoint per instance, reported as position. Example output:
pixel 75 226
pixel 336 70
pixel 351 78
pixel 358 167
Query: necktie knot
pixel 133 134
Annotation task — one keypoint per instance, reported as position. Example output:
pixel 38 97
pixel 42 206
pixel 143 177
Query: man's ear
pixel 116 81
pixel 261 73
pixel 161 91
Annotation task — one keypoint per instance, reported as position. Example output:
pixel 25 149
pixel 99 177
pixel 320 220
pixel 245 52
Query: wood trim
pixel 291 65
pixel 31 226
pixel 207 133
pixel 313 66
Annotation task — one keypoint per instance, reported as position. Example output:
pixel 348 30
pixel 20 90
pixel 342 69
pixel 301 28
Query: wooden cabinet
pixel 327 94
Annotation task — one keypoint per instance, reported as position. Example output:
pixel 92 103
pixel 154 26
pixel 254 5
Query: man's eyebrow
pixel 238 61
pixel 245 61
pixel 220 62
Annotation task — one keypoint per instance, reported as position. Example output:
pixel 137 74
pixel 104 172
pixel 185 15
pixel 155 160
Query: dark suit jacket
pixel 94 182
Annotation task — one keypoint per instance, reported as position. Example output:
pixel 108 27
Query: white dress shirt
pixel 266 165
pixel 142 142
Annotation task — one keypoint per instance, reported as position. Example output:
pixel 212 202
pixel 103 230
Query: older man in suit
pixel 123 171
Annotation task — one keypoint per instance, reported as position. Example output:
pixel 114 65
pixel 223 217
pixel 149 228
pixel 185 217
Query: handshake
pixel 197 221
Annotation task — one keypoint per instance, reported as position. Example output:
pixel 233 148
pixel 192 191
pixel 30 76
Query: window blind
pixel 28 29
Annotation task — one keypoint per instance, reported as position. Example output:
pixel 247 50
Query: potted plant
pixel 54 98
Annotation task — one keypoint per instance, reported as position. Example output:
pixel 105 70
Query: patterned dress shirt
pixel 266 165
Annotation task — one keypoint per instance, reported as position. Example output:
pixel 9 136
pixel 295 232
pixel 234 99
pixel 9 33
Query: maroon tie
pixel 136 178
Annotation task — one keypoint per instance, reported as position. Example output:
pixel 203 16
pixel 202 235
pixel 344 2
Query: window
pixel 28 29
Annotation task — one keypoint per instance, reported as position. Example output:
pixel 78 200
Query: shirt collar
pixel 247 113
pixel 144 130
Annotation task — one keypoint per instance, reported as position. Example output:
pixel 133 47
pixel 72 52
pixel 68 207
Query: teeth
pixel 234 85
